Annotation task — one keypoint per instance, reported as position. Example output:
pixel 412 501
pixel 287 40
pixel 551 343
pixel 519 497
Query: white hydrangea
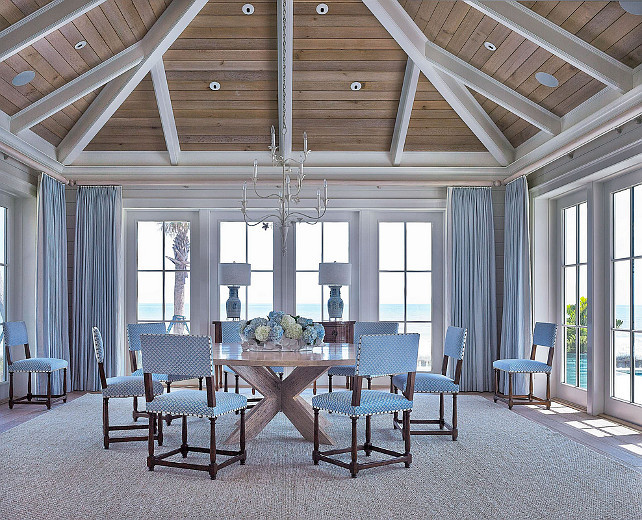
pixel 287 321
pixel 262 333
pixel 293 331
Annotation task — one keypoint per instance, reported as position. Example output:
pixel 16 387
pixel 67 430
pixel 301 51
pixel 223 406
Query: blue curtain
pixel 472 298
pixel 516 318
pixel 97 282
pixel 52 307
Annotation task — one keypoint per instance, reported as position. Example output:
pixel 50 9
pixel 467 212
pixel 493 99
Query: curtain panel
pixel 52 304
pixel 97 282
pixel 516 319
pixel 472 282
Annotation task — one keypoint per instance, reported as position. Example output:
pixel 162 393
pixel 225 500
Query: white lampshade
pixel 335 273
pixel 234 274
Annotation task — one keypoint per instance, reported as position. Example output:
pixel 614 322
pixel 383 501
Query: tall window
pixel 163 264
pixel 3 282
pixel 575 308
pixel 405 280
pixel 254 245
pixel 626 312
pixel 315 244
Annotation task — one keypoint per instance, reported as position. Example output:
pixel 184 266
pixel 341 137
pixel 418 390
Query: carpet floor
pixel 503 466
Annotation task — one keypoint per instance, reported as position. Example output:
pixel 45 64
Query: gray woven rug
pixel 502 466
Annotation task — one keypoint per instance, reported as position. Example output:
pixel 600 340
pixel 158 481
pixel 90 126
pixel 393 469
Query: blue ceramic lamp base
pixel 335 303
pixel 233 303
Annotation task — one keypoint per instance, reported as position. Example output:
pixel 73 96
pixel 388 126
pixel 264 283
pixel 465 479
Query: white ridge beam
pixel 408 91
pixel 558 41
pixel 77 88
pixel 423 52
pixel 285 36
pixel 164 102
pixel 40 23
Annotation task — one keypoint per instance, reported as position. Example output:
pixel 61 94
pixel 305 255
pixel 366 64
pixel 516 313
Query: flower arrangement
pixel 281 329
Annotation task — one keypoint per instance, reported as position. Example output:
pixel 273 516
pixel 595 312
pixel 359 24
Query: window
pixel 575 301
pixel 405 280
pixel 3 282
pixel 626 297
pixel 315 244
pixel 163 269
pixel 242 243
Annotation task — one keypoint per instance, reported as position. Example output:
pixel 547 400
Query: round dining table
pixel 282 395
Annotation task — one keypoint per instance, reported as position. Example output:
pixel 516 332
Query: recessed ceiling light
pixel 632 7
pixel 248 9
pixel 215 85
pixel 23 78
pixel 546 79
pixel 355 85
pixel 322 8
pixel 80 45
pixel 490 46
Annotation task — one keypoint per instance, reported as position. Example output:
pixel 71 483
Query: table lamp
pixel 335 274
pixel 234 275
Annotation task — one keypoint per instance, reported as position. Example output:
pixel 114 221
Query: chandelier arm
pixel 257 222
pixel 301 214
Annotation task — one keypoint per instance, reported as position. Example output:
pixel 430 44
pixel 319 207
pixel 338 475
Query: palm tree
pixel 180 247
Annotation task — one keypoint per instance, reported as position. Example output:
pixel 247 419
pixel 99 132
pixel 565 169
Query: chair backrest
pixel 181 355
pixel 15 333
pixel 134 330
pixel 455 342
pixel 99 349
pixel 545 334
pixel 230 332
pixel 374 327
pixel 387 354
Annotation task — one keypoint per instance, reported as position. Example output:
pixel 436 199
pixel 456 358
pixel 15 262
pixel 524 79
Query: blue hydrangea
pixel 309 335
pixel 320 332
pixel 276 316
pixel 276 332
pixel 304 322
pixel 248 331
pixel 256 322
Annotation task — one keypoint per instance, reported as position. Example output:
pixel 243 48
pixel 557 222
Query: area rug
pixel 502 466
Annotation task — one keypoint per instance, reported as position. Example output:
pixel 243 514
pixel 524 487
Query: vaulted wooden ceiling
pixel 330 52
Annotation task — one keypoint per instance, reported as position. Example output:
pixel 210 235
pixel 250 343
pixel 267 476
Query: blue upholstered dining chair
pixel 189 356
pixel 361 328
pixel 429 383
pixel 15 334
pixel 121 387
pixel 544 335
pixel 377 355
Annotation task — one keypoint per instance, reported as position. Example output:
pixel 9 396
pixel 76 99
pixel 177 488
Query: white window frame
pixel 7 202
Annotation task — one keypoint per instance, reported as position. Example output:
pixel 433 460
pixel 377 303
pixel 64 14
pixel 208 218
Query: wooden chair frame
pixel 367 446
pixel 529 398
pixel 158 429
pixel 213 467
pixel 42 399
pixel 444 427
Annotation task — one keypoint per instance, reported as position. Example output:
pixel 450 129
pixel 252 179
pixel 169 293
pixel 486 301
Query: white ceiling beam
pixel 285 36
pixel 558 41
pixel 164 102
pixel 411 39
pixel 407 99
pixel 158 39
pixel 77 88
pixel 40 23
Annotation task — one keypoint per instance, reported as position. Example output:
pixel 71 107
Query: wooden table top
pixel 328 355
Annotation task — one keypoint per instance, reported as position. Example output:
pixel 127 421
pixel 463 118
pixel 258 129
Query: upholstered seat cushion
pixel 38 365
pixel 373 402
pixel 129 386
pixel 194 402
pixel 426 382
pixel 521 365
pixel 342 370
pixel 164 378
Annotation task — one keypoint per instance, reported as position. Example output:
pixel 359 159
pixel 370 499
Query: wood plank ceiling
pixel 330 52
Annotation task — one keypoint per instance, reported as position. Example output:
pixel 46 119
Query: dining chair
pixel 121 387
pixel 15 334
pixel 361 328
pixel 188 355
pixel 377 355
pixel 429 383
pixel 544 335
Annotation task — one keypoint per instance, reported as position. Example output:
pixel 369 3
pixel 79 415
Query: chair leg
pixel 236 383
pixel 150 440
pixel 281 378
pixel 315 451
pixel 10 390
pixel 200 383
pixel 392 387
pixel 369 383
pixel 29 394
pixel 353 464
pixel 184 436
pixel 64 385
pixel 242 438
pixel 225 383
pixel 48 390
pixel 168 417
pixel 329 382
pixel 548 391
pixel 314 387
pixel 135 412
pixel 510 390
pixel 253 391
pixel 396 414
pixel 530 387
pixel 213 468
pixel 106 423
pixel 442 422
pixel 406 429
pixel 368 443
pixel 169 386
pixel 455 431
pixel 160 429
pixel 496 385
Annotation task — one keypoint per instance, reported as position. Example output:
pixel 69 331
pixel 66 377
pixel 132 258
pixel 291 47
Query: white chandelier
pixel 286 193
